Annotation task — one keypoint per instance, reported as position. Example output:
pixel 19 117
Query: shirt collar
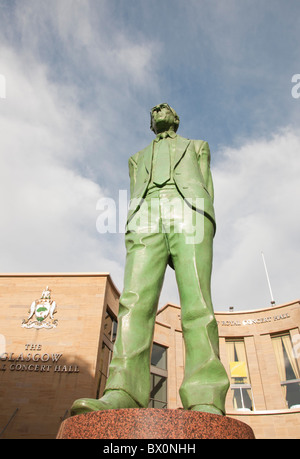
pixel 165 134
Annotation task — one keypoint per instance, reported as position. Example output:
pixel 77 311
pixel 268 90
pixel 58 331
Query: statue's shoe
pixel 207 409
pixel 111 400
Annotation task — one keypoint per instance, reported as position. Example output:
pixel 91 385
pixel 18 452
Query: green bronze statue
pixel 170 221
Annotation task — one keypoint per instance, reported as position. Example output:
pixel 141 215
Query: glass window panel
pixel 237 399
pixel 159 356
pixel 114 331
pixel 158 394
pixel 242 398
pixel 106 355
pixel 286 362
pixel 110 327
pixel 247 398
pixel 236 354
pixel 291 364
pixel 288 369
pixel 292 394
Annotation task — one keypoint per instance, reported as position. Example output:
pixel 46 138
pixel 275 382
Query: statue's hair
pixel 176 122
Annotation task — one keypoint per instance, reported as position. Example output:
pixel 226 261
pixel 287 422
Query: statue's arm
pixel 204 162
pixel 132 165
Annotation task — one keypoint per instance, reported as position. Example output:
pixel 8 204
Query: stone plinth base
pixel 150 423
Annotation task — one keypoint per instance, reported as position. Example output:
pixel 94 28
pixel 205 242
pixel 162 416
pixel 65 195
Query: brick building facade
pixel 57 333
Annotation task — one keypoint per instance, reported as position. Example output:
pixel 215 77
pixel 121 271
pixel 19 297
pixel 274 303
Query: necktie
pixel 162 166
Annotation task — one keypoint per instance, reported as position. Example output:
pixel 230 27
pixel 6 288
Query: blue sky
pixel 80 79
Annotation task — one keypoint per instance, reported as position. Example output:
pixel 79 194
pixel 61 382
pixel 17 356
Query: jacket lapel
pixel 148 153
pixel 181 148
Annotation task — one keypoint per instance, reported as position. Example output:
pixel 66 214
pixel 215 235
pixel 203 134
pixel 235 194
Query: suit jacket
pixel 191 174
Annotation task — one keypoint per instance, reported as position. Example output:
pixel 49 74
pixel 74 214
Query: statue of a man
pixel 170 221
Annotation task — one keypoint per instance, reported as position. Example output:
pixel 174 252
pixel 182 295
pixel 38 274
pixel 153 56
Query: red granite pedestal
pixel 150 423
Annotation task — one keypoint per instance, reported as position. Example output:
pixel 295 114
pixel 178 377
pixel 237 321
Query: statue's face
pixel 162 118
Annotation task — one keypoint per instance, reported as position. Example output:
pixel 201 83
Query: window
pixel 288 369
pixel 106 355
pixel 240 386
pixel 159 356
pixel 159 375
pixel 110 332
pixel 110 327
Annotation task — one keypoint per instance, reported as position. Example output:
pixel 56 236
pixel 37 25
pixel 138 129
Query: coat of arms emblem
pixel 41 313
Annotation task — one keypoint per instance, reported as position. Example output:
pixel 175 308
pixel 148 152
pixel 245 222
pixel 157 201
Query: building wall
pixel 40 389
pixel 270 417
pixel 272 424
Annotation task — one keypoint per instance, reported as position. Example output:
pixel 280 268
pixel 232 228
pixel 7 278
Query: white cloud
pixel 89 40
pixel 257 201
pixel 58 134
pixel 48 207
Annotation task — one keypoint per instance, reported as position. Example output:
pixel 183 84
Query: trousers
pixel 166 229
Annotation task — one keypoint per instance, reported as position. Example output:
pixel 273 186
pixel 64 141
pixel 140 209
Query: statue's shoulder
pixel 183 138
pixel 196 143
pixel 134 158
pixel 140 153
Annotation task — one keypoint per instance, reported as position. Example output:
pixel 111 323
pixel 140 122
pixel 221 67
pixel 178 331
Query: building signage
pixel 35 360
pixel 41 312
pixel 261 320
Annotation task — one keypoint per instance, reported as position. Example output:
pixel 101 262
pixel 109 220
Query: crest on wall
pixel 41 312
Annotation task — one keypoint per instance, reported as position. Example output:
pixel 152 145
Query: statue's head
pixel 163 117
